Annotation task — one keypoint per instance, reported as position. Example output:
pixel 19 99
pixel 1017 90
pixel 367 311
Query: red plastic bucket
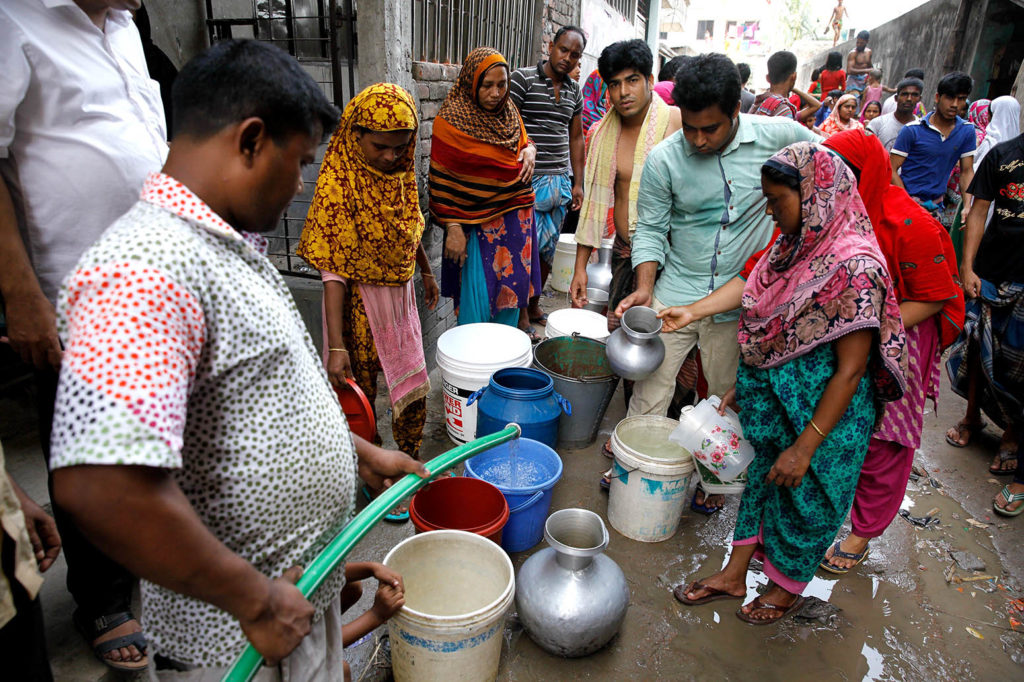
pixel 460 503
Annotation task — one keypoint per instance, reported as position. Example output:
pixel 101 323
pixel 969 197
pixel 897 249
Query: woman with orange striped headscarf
pixel 481 162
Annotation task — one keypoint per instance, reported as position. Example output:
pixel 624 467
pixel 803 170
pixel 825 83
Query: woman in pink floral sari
pixel 821 340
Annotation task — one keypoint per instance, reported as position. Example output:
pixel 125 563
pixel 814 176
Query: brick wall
pixel 432 82
pixel 555 15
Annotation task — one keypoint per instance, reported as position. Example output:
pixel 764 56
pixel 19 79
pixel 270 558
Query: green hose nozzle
pixel 248 663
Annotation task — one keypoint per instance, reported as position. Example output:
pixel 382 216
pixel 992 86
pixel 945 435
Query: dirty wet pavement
pixel 902 614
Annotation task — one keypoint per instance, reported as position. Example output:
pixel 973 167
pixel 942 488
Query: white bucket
pixel 458 588
pixel 650 478
pixel 467 356
pixel 564 263
pixel 587 323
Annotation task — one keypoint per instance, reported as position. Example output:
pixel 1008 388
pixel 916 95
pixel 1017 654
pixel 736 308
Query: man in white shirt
pixel 81 125
pixel 887 127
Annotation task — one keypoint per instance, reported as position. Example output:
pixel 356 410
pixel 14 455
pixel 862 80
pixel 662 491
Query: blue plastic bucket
pixel 529 497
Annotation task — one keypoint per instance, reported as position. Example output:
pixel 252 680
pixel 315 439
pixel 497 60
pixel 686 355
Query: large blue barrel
pixel 522 395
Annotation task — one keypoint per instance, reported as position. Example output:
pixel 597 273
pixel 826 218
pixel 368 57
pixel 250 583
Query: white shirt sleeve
pixel 17 71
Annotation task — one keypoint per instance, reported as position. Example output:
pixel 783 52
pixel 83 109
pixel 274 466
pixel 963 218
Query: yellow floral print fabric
pixel 364 224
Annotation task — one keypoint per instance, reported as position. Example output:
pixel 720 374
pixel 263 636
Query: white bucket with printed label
pixel 467 356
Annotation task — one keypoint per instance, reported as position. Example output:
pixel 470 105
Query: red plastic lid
pixel 358 411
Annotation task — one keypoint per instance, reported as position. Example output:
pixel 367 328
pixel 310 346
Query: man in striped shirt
pixel 551 105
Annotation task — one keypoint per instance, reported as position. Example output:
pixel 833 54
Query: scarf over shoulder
pixel 599 171
pixel 918 250
pixel 364 224
pixel 474 166
pixel 825 281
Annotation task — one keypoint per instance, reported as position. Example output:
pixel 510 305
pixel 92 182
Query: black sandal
pixel 91 631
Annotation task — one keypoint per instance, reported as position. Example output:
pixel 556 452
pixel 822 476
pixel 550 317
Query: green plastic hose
pixel 248 663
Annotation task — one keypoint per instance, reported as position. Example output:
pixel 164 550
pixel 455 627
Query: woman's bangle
pixel 815 427
pixel 428 274
pixel 338 350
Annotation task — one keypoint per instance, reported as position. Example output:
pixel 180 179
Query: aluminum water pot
pixel 599 274
pixel 570 597
pixel 635 349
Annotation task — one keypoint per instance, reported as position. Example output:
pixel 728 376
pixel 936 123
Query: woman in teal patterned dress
pixel 821 340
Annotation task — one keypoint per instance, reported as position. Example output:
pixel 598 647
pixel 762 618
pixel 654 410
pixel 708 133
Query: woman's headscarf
pixel 825 281
pixel 833 124
pixel 868 104
pixel 474 166
pixel 364 224
pixel 1004 125
pixel 918 250
pixel 594 104
pixel 980 113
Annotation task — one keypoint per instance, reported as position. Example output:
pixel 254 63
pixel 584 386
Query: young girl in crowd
pixel 872 110
pixel 820 341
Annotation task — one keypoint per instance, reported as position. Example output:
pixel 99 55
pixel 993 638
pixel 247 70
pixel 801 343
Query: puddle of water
pixel 899 618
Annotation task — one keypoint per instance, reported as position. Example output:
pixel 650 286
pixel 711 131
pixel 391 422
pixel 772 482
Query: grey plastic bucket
pixel 582 375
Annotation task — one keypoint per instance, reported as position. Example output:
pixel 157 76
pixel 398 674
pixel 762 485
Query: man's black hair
pixel 625 54
pixel 909 83
pixel 955 84
pixel 864 35
pixel 239 79
pixel 834 61
pixel 781 66
pixel 835 93
pixel 744 70
pixel 914 73
pixel 671 67
pixel 705 81
pixel 570 29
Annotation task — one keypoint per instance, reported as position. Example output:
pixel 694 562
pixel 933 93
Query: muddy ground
pixel 897 616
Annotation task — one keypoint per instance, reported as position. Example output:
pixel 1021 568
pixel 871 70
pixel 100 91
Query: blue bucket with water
pixel 529 495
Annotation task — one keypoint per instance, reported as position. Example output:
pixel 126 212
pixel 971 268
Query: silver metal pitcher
pixel 635 349
pixel 570 597
pixel 599 274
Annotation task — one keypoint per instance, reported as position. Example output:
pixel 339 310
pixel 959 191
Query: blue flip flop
pixel 836 552
pixel 392 517
pixel 705 509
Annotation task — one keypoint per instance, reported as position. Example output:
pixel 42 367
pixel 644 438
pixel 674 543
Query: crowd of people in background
pixel 818 250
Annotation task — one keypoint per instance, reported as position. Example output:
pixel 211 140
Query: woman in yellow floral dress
pixel 363 232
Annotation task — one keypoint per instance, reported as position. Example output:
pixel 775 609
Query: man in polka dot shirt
pixel 197 439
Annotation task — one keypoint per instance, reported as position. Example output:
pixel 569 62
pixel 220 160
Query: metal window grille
pixel 625 7
pixel 445 31
pixel 321 35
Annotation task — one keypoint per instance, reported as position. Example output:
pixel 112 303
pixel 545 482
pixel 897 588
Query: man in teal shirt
pixel 700 217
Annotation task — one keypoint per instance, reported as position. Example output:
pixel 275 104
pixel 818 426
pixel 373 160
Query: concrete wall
pixel 432 83
pixel 179 27
pixel 917 39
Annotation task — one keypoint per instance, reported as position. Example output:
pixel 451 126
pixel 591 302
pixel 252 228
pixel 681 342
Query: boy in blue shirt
pixel 926 150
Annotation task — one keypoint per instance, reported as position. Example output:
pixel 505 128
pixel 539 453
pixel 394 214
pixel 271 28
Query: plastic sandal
pixel 757 605
pixel 1010 499
pixel 1005 455
pixel 703 508
pixel 962 427
pixel 393 517
pixel 836 552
